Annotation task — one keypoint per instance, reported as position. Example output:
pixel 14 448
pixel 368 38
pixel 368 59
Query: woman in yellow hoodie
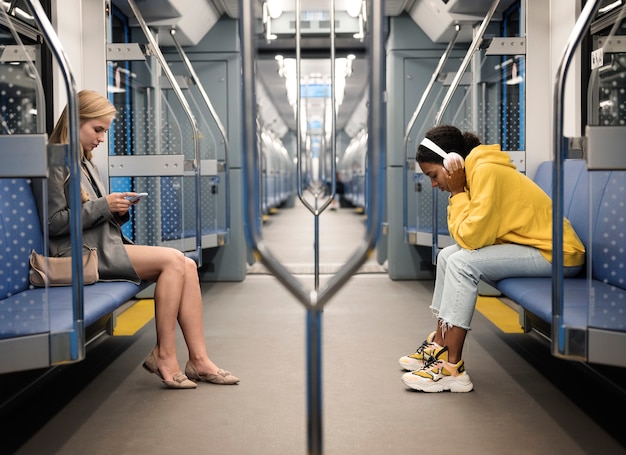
pixel 501 222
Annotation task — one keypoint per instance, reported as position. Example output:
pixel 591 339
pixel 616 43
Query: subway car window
pixel 23 110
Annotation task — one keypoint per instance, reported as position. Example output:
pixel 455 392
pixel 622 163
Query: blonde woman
pixel 177 294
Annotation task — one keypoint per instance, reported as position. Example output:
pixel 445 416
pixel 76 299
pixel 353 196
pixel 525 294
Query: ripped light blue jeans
pixel 460 270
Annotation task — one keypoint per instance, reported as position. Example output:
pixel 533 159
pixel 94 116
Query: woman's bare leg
pixel 166 266
pixel 190 320
pixel 177 298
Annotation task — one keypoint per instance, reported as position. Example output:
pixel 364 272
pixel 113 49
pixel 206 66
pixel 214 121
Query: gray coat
pixel 101 228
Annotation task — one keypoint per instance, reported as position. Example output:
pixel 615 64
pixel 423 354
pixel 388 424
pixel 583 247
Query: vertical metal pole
pixel 298 106
pixel 77 335
pixel 316 249
pixel 314 380
pixel 333 106
pixel 558 332
pixel 314 299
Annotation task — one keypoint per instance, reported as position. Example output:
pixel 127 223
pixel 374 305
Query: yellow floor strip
pixel 501 315
pixel 130 321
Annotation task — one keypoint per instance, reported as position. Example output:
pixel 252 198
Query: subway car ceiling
pixel 276 19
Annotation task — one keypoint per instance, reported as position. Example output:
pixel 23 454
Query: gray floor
pixel 256 328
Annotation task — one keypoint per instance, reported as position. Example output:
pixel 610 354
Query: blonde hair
pixel 91 105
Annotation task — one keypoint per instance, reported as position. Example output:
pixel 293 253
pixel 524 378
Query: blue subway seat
pixel 595 203
pixel 25 310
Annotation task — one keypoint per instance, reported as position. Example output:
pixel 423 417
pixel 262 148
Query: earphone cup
pixel 453 162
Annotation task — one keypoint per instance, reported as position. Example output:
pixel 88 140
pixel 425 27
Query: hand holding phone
pixel 137 198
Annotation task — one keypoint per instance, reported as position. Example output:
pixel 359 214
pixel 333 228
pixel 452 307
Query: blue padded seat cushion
pixel 31 312
pixel 602 306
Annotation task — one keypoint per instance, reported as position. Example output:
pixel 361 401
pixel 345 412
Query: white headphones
pixel 451 161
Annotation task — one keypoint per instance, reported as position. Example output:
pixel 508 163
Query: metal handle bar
pixel 478 37
pixel 77 335
pixel 315 209
pixel 476 42
pixel 375 144
pixel 213 112
pixel 431 83
pixel 558 331
pixel 314 300
pixel 190 116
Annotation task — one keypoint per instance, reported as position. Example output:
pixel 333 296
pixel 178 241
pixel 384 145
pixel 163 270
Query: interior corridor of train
pixel 524 400
pixel 314 229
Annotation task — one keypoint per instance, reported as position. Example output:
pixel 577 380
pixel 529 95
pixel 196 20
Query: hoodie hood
pixel 483 154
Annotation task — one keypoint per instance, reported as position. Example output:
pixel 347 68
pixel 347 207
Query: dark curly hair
pixel 450 139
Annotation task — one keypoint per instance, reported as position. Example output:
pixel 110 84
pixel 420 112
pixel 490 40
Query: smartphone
pixel 137 198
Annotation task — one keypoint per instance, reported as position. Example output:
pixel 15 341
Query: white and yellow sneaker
pixel 438 375
pixel 417 360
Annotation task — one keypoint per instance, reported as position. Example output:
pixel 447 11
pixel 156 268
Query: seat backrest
pixel 20 232
pixel 577 200
pixel 595 204
pixel 543 176
pixel 574 174
pixel 171 208
pixel 575 194
pixel 608 249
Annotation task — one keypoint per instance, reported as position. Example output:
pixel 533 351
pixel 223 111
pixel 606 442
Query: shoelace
pixel 423 346
pixel 431 362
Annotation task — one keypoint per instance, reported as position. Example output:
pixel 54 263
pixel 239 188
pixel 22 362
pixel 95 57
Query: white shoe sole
pixel 453 384
pixel 410 364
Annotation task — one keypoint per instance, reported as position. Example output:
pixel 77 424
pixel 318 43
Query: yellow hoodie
pixel 502 205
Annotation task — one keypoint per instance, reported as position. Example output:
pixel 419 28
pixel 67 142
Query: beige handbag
pixel 59 271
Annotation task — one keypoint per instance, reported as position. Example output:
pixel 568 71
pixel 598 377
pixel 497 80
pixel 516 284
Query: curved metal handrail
pixel 77 345
pixel 431 83
pixel 316 210
pixel 476 42
pixel 314 299
pixel 216 118
pixel 192 120
pixel 560 154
